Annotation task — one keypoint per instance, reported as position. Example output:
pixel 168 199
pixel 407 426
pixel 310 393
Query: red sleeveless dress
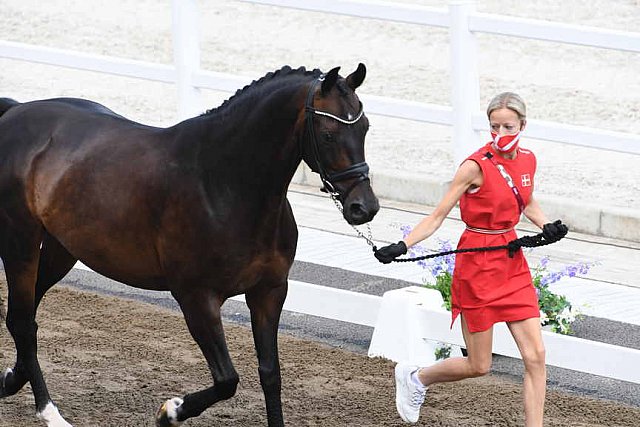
pixel 490 287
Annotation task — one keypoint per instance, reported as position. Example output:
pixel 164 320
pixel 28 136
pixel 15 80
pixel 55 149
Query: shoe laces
pixel 417 397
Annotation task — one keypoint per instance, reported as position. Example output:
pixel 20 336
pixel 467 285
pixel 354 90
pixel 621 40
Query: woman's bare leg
pixel 528 336
pixel 477 362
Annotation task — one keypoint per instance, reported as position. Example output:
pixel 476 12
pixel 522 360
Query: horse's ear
pixel 330 80
pixel 356 78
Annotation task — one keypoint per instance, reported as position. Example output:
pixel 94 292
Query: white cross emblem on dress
pixel 526 180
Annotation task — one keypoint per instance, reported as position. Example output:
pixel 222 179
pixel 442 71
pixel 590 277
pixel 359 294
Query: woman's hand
pixel 388 253
pixel 554 231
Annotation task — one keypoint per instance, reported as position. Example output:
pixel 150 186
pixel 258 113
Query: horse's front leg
pixel 201 310
pixel 265 303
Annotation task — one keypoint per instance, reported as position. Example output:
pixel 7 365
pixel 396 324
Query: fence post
pixel 186 56
pixel 465 92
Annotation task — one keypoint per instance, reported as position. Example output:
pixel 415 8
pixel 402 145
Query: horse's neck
pixel 252 149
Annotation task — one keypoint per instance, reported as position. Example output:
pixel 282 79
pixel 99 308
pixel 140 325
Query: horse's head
pixel 333 142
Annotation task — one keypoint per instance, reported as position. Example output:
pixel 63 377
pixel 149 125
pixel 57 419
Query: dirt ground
pixel 112 362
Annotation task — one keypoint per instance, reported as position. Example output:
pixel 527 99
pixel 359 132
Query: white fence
pixel 463 22
pixel 461 19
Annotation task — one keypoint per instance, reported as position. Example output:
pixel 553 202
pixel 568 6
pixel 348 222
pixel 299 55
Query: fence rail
pixel 463 22
pixel 478 22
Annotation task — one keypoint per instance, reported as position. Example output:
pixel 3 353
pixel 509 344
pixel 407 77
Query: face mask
pixel 505 143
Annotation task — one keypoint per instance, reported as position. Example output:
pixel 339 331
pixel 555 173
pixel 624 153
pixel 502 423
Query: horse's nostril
pixel 357 210
pixel 360 213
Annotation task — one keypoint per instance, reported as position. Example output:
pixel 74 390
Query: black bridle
pixel 358 171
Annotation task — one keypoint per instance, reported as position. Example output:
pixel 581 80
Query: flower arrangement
pixel 556 312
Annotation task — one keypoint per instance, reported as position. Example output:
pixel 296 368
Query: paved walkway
pixel 610 290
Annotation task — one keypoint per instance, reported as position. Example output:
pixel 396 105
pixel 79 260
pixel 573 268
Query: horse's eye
pixel 329 137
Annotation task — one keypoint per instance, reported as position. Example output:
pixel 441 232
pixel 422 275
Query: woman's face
pixel 504 122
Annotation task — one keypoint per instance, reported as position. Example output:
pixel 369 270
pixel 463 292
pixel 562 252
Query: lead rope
pixel 534 241
pixel 513 246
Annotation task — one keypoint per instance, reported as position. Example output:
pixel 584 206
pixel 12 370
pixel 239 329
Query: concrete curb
pixel 581 216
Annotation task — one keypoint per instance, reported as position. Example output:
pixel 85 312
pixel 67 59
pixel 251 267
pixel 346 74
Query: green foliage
pixel 443 284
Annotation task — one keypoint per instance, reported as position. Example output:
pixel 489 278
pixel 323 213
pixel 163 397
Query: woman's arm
pixel 469 174
pixel 534 213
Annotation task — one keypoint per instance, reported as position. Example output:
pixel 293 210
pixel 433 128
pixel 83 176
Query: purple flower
pixel 444 264
pixel 584 267
pixel 544 261
pixel 405 230
pixel 571 270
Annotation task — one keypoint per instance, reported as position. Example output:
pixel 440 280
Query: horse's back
pixel 72 122
pixel 87 105
pixel 6 104
pixel 57 111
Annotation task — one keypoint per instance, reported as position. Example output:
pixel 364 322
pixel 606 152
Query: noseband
pixel 357 171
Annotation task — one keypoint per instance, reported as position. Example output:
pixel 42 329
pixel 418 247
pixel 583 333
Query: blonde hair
pixel 509 100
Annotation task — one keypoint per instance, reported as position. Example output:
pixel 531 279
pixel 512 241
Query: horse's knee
pixel 24 334
pixel 20 328
pixel 226 388
pixel 269 378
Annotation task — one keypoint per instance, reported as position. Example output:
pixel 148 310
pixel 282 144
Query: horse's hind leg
pixel 55 263
pixel 201 309
pixel 265 303
pixel 21 268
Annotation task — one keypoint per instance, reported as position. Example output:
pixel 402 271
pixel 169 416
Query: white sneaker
pixel 409 395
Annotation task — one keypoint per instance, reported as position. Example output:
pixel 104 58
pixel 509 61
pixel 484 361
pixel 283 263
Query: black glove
pixel 554 231
pixel 388 253
pixel 514 246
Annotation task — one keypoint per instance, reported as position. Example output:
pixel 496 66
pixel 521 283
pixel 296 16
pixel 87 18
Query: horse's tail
pixel 6 104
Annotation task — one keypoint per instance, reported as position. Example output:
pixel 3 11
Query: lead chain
pixel 369 237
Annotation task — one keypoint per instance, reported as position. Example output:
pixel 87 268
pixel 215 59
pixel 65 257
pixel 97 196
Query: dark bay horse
pixel 199 209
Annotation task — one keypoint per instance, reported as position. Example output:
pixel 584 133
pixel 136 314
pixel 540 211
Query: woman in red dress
pixel 494 187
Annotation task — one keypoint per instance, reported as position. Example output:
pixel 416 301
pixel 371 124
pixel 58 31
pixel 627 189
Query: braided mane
pixel 252 87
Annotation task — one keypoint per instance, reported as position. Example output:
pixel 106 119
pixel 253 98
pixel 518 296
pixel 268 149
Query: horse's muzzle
pixel 361 205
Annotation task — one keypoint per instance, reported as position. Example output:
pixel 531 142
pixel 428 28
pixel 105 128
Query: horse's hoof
pixel 167 415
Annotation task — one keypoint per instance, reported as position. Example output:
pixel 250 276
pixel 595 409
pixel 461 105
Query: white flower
pixel 567 315
pixel 543 318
